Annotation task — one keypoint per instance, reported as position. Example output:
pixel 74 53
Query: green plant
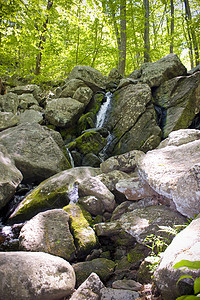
pixel 194 265
pixel 156 243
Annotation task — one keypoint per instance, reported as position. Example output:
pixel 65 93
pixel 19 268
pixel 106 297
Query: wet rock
pixel 34 151
pixel 49 232
pixel 35 275
pixel 10 177
pixel 181 100
pixel 92 160
pixel 185 246
pixel 89 289
pixel 102 267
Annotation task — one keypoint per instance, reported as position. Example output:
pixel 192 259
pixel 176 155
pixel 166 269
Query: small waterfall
pixel 70 157
pixel 101 115
pixel 73 194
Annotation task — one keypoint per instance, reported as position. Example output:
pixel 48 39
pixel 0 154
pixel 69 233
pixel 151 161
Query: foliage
pixel 195 265
pixel 82 32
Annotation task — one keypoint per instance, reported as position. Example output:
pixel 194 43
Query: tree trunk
pixel 122 53
pixel 146 32
pixel 41 41
pixel 172 27
pixel 191 30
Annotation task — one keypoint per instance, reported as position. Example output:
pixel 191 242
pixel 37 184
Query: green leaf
pixel 184 276
pixel 189 264
pixel 187 297
pixel 197 286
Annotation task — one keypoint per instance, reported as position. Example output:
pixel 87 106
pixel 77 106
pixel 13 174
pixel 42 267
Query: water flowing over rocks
pixel 107 217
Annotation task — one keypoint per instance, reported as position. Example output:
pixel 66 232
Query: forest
pixel 45 39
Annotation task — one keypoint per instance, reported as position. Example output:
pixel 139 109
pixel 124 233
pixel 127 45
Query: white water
pixel 103 110
pixel 73 194
pixel 70 157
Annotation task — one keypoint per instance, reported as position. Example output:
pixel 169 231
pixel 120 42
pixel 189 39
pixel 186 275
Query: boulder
pixel 132 115
pixel 141 222
pixel 90 76
pixel 89 289
pixel 49 232
pixel 103 268
pixel 9 103
pixel 180 99
pixel 10 177
pixel 134 188
pixel 35 152
pixel 7 120
pixel 31 116
pixel 84 235
pixel 54 192
pixel 26 101
pixel 94 187
pixel 111 179
pixel 70 88
pixel 83 95
pixel 126 162
pixel 90 159
pixel 109 293
pixel 88 142
pixel 35 275
pixel 185 246
pixel 92 204
pixel 28 89
pixel 164 69
pixel 176 178
pixel 63 112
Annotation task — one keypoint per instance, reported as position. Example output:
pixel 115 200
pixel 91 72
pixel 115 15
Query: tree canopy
pixel 45 39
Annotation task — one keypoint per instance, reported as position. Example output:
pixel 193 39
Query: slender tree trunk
pixel 122 53
pixel 41 41
pixel 146 32
pixel 172 27
pixel 191 30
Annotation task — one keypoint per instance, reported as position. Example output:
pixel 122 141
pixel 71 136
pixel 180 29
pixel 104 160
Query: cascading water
pixel 101 116
pixel 70 157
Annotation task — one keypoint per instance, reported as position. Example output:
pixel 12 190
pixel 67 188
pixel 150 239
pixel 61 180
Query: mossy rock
pixel 40 199
pixel 88 142
pixel 86 121
pixel 96 102
pixel 138 253
pixel 101 266
pixel 84 235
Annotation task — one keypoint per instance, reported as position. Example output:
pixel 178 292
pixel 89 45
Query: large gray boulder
pixel 173 171
pixel 180 99
pixel 140 223
pixel 10 177
pixel 49 232
pixel 7 120
pixel 55 192
pixel 35 152
pixel 90 76
pixel 164 69
pixel 118 294
pixel 63 112
pixel 9 103
pixel 132 120
pixel 31 116
pixel 34 276
pixel 26 101
pixel 185 246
